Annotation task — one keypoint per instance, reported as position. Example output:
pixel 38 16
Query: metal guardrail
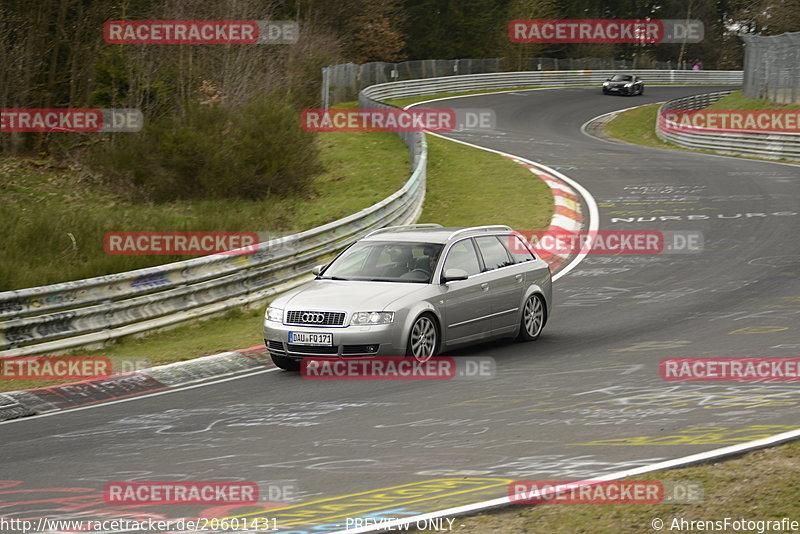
pixel 92 311
pixel 342 83
pixel 511 80
pixel 764 144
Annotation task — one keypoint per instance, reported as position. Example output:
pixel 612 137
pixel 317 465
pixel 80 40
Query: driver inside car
pixel 428 261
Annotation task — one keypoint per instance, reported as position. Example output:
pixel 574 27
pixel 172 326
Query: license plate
pixel 311 338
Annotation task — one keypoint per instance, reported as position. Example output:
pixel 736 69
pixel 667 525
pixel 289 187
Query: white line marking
pixel 668 464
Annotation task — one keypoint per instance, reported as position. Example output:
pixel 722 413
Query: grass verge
pixel 737 100
pixel 637 126
pixel 55 219
pixel 758 485
pixel 467 186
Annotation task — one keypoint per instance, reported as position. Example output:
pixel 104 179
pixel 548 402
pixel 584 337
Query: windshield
pixel 386 262
pixel 621 78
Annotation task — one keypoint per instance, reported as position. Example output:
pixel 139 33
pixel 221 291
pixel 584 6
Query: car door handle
pixel 518 277
pixel 485 286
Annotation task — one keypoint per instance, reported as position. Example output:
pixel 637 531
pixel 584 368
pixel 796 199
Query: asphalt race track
pixel 584 400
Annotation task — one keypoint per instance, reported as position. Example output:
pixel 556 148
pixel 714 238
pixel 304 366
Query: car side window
pixel 493 252
pixel 518 249
pixel 462 256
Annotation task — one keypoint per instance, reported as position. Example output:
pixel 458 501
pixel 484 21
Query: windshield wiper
pixel 332 278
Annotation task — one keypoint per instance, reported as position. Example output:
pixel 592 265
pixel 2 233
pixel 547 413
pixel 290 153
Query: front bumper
pixel 349 341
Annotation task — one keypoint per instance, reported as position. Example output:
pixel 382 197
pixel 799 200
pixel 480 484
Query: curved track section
pixel 583 401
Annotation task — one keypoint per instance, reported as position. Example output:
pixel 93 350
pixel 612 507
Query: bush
pixel 213 151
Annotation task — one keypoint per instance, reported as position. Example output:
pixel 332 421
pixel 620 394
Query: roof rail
pixel 403 227
pixel 487 228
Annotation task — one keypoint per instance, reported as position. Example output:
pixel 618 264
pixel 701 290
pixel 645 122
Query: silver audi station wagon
pixel 413 290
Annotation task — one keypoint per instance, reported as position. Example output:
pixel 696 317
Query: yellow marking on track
pixel 759 330
pixel 702 435
pixel 355 504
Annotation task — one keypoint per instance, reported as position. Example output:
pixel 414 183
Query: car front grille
pixel 315 318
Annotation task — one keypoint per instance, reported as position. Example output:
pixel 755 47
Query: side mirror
pixel 318 269
pixel 453 275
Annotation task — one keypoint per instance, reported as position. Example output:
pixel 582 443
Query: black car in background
pixel 623 84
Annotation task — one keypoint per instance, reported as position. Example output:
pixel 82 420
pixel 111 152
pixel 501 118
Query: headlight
pixel 628 85
pixel 274 314
pixel 605 84
pixel 362 318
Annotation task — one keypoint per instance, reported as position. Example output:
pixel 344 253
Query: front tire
pixel 533 318
pixel 423 339
pixel 287 364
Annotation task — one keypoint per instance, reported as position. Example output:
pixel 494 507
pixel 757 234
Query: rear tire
pixel 534 316
pixel 287 364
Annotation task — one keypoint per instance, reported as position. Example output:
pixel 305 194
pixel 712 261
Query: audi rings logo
pixel 311 317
